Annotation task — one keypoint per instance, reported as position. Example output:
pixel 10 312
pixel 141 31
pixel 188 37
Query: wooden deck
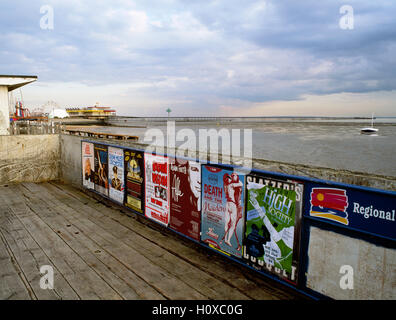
pixel 97 251
pixel 106 135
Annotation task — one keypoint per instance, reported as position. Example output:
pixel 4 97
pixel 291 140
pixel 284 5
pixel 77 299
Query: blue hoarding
pixel 353 208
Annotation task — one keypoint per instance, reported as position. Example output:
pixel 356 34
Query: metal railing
pixel 34 127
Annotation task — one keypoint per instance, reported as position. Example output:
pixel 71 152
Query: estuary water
pixel 331 144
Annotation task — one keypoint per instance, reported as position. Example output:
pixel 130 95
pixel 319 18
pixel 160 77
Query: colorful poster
pixel 156 188
pixel 222 209
pixel 369 211
pixel 88 165
pixel 273 218
pixel 185 202
pixel 134 168
pixel 116 174
pixel 101 166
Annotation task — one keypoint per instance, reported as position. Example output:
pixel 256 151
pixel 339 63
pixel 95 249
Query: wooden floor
pixel 97 251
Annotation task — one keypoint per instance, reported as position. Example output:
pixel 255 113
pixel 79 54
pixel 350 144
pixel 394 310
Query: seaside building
pixel 9 83
pixel 94 111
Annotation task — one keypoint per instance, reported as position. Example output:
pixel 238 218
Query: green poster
pixel 270 224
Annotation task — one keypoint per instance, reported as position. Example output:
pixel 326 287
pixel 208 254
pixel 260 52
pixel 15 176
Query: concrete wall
pixel 29 158
pixel 373 267
pixel 70 163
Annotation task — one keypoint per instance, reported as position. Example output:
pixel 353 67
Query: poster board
pixel 352 208
pixel 185 200
pixel 88 165
pixel 101 169
pixel 273 225
pixel 134 175
pixel 116 174
pixel 157 191
pixel 222 209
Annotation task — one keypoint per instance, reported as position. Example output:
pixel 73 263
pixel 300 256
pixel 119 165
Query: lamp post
pixel 169 111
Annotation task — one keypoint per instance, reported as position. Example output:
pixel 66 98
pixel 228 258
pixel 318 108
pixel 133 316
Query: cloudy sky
pixel 219 57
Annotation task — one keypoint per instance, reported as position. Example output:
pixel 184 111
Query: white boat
pixel 369 130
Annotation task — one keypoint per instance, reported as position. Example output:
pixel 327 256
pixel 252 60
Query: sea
pixel 325 142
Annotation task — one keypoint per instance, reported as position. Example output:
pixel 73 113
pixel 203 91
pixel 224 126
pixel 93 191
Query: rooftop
pixel 16 81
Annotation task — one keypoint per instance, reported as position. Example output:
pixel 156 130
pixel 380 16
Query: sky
pixel 205 58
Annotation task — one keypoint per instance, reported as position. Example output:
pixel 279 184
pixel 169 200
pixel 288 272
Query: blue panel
pixel 348 207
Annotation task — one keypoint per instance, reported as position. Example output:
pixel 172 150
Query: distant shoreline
pixel 129 120
pixel 253 117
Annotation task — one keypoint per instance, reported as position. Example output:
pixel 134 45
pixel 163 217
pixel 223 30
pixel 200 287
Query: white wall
pixel 374 267
pixel 4 111
pixel 70 160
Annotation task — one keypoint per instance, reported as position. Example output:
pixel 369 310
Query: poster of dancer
pixel 185 201
pixel 156 188
pixel 88 165
pixel 222 209
pixel 134 168
pixel 273 218
pixel 116 174
pixel 101 166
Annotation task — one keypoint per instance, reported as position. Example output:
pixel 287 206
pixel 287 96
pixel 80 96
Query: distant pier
pixel 105 135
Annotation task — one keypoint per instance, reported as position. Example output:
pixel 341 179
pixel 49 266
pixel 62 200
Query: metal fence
pixel 35 127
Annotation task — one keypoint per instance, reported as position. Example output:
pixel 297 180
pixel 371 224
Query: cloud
pixel 202 56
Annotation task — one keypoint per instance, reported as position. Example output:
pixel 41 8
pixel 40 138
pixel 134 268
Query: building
pixel 95 111
pixel 9 83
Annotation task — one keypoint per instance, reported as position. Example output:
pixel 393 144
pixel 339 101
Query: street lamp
pixel 169 111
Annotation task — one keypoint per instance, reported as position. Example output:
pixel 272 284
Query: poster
pixel 101 169
pixel 369 211
pixel 134 168
pixel 185 201
pixel 88 166
pixel 222 209
pixel 116 174
pixel 273 219
pixel 156 188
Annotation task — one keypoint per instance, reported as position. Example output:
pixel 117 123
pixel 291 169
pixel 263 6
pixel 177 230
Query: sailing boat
pixel 369 130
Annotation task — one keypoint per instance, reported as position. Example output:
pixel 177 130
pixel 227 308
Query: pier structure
pixel 9 83
pixel 100 249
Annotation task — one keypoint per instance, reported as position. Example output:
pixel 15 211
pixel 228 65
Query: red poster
pixel 185 202
pixel 156 188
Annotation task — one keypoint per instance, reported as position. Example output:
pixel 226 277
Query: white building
pixel 7 84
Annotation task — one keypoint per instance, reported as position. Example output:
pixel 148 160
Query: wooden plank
pixel 92 254
pixel 29 255
pixel 166 283
pixel 249 283
pixel 194 277
pixel 236 277
pixel 81 277
pixel 30 258
pixel 12 285
pixel 101 134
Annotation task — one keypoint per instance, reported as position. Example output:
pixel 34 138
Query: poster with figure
pixel 134 173
pixel 156 188
pixel 222 220
pixel 101 169
pixel 273 217
pixel 185 201
pixel 116 174
pixel 88 165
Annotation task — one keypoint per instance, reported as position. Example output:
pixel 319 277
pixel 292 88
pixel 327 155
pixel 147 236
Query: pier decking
pixel 99 252
pixel 106 135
